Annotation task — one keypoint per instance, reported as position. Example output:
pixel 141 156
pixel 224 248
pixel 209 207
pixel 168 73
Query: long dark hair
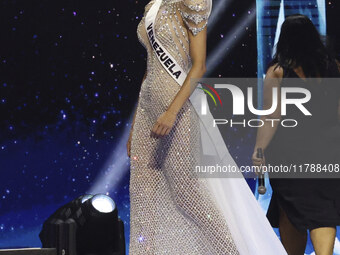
pixel 300 44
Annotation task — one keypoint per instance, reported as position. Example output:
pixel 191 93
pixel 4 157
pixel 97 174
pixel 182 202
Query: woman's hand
pixel 128 144
pixel 163 124
pixel 258 161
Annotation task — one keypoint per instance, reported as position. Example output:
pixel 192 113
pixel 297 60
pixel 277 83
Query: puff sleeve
pixel 195 14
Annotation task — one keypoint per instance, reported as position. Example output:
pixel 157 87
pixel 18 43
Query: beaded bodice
pixel 174 20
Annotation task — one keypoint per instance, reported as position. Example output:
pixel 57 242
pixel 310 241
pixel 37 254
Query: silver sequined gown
pixel 171 211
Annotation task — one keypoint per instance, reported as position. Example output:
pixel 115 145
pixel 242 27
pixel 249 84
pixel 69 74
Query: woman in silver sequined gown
pixel 172 211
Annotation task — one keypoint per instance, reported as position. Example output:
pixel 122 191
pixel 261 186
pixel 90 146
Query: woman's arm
pixel 267 131
pixel 198 57
pixel 197 47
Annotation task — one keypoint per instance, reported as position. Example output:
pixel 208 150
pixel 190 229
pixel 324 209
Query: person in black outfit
pixel 301 204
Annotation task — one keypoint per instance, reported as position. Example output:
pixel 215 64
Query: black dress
pixel 309 203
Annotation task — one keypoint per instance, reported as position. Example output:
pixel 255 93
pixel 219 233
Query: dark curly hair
pixel 300 44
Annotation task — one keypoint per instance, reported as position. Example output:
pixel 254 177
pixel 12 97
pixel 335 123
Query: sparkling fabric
pixel 172 211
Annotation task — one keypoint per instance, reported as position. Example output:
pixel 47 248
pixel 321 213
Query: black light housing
pixel 51 226
pixel 92 228
pixel 98 229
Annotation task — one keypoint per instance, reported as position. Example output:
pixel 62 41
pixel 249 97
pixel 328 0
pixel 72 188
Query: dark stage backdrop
pixel 70 74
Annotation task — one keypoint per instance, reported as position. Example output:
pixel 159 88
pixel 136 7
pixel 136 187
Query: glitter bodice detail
pixel 173 20
pixel 172 211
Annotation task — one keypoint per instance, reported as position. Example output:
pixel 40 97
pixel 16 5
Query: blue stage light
pixel 103 203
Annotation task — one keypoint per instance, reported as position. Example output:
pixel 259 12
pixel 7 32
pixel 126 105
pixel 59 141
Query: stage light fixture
pixel 88 225
pixel 99 229
pixel 53 224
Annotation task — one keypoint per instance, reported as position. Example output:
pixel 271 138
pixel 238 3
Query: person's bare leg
pixel 323 240
pixel 293 240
